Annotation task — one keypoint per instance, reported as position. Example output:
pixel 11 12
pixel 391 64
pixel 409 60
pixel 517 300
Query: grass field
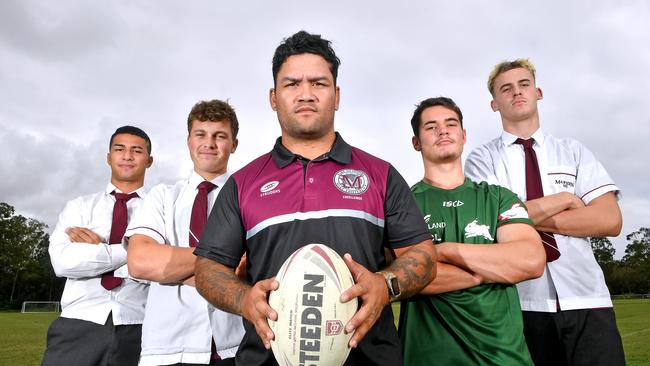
pixel 22 336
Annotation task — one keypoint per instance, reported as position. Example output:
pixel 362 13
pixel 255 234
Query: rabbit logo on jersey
pixel 351 181
pixel 475 229
pixel 517 211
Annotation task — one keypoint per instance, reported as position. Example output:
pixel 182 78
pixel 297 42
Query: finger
pixel 90 236
pixel 270 284
pixel 85 235
pixel 355 290
pixel 359 317
pixel 265 332
pixel 361 323
pixel 359 334
pixel 73 234
pixel 355 268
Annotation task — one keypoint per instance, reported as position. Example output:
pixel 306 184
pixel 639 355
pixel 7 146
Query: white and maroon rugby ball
pixel 311 318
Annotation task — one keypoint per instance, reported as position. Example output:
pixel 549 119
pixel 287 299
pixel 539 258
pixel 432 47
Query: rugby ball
pixel 311 318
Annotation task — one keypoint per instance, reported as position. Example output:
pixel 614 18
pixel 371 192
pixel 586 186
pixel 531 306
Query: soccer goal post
pixel 41 307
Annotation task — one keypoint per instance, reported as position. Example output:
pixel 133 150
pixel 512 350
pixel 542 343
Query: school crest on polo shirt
pixel 351 181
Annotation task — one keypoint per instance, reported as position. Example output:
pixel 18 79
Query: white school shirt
pixel 179 322
pixel 575 280
pixel 83 263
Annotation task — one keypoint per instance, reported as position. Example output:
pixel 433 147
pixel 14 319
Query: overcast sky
pixel 73 71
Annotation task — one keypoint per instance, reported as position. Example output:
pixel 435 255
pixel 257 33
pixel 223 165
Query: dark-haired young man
pixel 100 323
pixel 325 191
pixel 179 325
pixel 485 243
pixel 568 314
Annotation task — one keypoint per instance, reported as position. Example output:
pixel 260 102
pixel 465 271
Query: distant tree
pixel 24 260
pixel 603 251
pixel 637 253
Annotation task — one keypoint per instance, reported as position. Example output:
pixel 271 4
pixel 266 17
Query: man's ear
pixel 272 99
pixel 416 143
pixel 494 106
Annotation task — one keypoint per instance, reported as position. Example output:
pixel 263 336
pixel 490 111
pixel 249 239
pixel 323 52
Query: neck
pixel 522 128
pixel 208 175
pixel 448 175
pixel 309 149
pixel 127 187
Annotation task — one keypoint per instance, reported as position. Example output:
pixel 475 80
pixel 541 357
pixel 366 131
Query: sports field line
pixel 635 333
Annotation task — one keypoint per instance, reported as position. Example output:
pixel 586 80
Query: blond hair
pixel 507 66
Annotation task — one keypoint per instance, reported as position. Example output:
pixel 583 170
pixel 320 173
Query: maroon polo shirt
pixel 346 199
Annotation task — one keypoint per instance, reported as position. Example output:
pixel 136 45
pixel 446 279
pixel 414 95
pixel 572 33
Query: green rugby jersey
pixel 481 325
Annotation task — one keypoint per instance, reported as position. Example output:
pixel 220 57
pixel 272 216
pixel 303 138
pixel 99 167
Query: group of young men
pixel 186 281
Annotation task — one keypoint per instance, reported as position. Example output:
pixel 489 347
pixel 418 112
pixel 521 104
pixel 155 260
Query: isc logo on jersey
pixel 309 329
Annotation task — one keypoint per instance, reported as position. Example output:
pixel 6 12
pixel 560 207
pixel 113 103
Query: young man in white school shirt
pixel 179 324
pixel 568 314
pixel 100 324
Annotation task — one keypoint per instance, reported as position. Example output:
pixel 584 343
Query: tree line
pixel 630 274
pixel 26 272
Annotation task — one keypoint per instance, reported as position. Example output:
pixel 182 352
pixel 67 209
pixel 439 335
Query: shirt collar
pixel 508 139
pixel 219 181
pixel 340 152
pixel 110 188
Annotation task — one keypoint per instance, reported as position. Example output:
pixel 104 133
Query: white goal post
pixel 41 307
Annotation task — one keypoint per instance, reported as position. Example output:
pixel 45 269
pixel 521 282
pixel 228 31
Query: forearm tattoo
pixel 219 285
pixel 414 269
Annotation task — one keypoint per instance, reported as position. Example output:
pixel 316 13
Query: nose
pixel 516 90
pixel 442 130
pixel 128 154
pixel 306 93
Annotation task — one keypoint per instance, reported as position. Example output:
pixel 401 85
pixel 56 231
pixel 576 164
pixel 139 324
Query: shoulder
pixel 490 147
pixel 253 168
pixel 376 168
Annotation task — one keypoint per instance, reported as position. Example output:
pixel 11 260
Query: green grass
pixel 22 336
pixel 633 319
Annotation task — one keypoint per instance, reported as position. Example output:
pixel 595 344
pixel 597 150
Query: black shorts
pixel 574 337
pixel 80 343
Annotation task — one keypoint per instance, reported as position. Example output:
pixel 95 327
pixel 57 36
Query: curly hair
pixel 214 111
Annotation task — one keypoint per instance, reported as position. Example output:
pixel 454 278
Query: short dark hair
pixel 213 111
pixel 416 120
pixel 131 130
pixel 303 42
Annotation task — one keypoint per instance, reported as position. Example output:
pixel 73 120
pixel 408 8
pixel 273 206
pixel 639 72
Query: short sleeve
pixel 511 209
pixel 479 166
pixel 149 220
pixel 404 223
pixel 224 237
pixel 592 180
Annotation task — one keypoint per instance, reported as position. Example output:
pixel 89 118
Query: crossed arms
pixel 517 255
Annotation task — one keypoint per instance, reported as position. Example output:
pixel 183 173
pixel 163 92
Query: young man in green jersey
pixel 469 314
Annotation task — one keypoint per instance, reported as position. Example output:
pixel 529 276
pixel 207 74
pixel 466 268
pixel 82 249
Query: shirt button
pixel 311 180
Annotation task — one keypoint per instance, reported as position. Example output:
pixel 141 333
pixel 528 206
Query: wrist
pixel 393 288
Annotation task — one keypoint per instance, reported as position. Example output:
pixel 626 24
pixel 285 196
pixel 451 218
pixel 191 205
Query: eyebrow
pixel 124 146
pixel 311 79
pixel 445 120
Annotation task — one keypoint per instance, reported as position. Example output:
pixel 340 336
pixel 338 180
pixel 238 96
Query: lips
pixel 519 102
pixel 305 108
